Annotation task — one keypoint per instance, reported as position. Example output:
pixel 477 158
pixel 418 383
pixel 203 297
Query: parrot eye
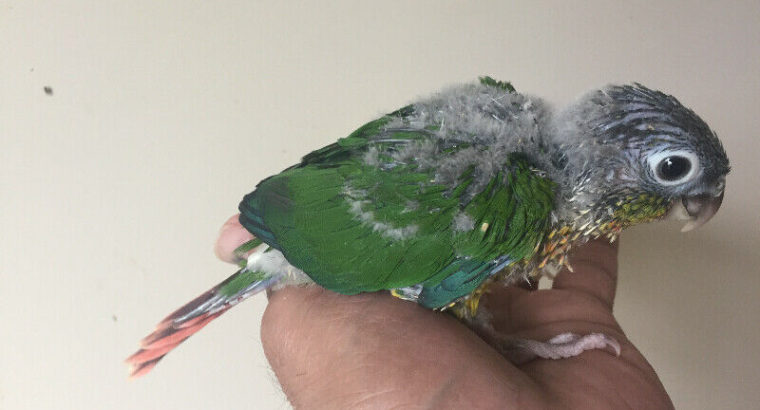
pixel 670 168
pixel 673 168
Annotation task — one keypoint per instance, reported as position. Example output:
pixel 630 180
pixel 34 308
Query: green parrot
pixel 475 185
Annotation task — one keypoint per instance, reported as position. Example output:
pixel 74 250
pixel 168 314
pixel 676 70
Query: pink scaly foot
pixel 565 345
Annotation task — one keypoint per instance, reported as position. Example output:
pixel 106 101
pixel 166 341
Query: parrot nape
pixel 474 185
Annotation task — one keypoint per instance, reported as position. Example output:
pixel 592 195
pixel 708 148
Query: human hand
pixel 376 351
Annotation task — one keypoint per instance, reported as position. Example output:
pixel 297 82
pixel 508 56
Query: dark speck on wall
pixel 48 90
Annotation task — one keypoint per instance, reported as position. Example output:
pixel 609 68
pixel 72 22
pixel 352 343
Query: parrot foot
pixel 565 345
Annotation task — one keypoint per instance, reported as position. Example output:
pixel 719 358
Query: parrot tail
pixel 193 316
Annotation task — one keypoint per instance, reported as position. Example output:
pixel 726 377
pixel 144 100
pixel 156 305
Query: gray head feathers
pixel 603 143
pixel 621 128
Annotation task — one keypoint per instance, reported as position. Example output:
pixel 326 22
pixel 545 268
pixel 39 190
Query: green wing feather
pixel 357 223
pixel 511 217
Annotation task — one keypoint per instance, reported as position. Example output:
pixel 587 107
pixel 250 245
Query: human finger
pixel 594 272
pixel 231 235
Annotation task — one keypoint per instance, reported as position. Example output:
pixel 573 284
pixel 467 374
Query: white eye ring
pixel 657 159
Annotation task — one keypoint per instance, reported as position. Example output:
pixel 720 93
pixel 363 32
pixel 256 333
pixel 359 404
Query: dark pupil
pixel 673 168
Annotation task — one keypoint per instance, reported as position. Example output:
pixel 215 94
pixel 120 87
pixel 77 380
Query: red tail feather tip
pixel 163 340
pixel 189 319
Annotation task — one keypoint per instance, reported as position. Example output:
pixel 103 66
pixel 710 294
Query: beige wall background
pixel 163 114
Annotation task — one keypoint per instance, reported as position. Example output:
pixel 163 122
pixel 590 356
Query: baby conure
pixel 475 185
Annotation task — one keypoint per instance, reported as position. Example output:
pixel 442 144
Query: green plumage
pixel 356 219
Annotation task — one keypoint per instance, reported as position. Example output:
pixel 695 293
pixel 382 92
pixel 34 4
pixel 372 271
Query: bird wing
pixel 363 214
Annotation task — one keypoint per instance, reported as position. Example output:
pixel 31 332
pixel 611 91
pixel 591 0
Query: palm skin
pixel 376 351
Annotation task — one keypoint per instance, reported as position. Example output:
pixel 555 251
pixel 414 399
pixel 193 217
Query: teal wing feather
pixel 460 278
pixel 357 220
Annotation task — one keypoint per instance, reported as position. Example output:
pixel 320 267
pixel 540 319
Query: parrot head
pixel 636 155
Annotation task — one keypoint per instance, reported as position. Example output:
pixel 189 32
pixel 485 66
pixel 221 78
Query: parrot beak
pixel 697 209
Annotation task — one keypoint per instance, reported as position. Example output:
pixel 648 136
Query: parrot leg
pixel 519 351
pixel 562 346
